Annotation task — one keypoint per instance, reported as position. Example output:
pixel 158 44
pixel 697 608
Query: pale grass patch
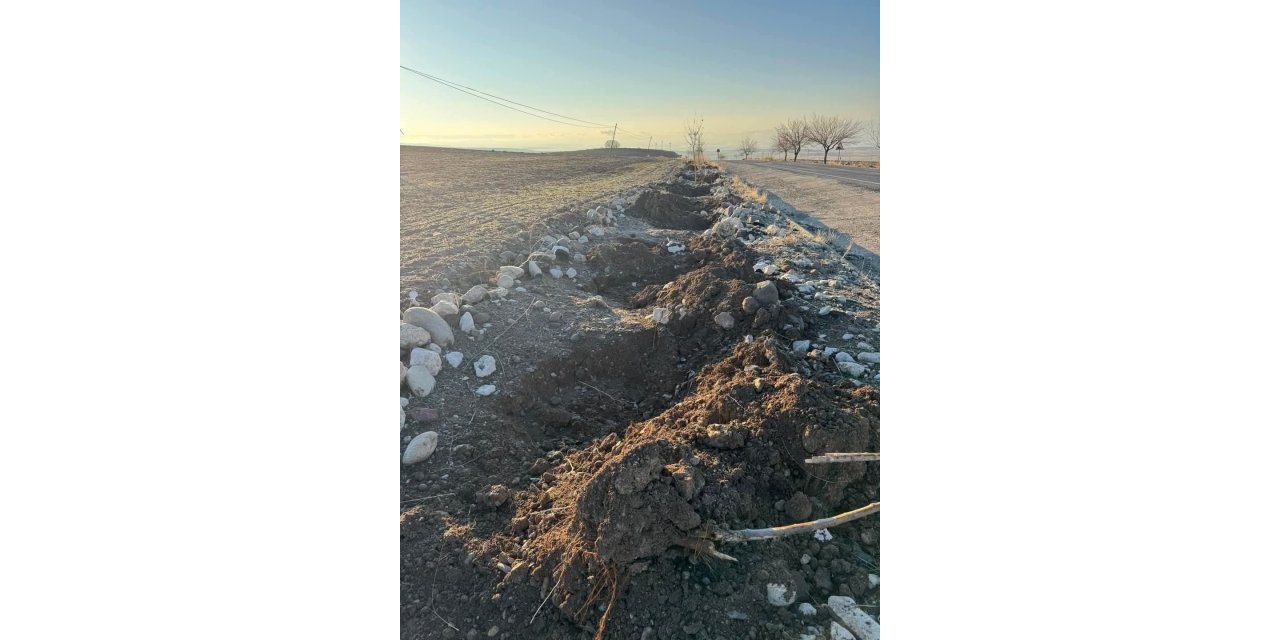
pixel 747 191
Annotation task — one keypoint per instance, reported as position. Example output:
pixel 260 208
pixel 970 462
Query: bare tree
pixel 747 147
pixel 781 142
pixel 830 132
pixel 693 138
pixel 794 134
pixel 873 134
pixel 612 144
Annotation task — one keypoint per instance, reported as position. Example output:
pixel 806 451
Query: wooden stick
pixel 843 457
pixel 747 535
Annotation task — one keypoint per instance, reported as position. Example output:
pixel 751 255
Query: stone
pixel 474 294
pixel 579 258
pixel 824 311
pixel 750 304
pixel 421 447
pixel 561 253
pixel 863 626
pixel 675 247
pixel 506 282
pixel 864 346
pixel 838 632
pixel 486 390
pixel 780 595
pixel 447 296
pixel 851 368
pixel 724 319
pixel 499 293
pixel 847 336
pixel 402 416
pixel 426 358
pixel 661 315
pixel 467 323
pixel 806 609
pixel 420 381
pixel 843 357
pixel 556 272
pixel 766 292
pixel 571 272
pixel 596 230
pixel 510 270
pixel 534 269
pixel 454 358
pixel 441 332
pixel 485 365
pixel 445 309
pixel 800 346
pixel 404 371
pixel 868 356
pixel 582 239
pixel 411 335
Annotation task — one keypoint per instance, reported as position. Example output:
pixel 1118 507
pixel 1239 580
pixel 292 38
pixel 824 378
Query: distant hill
pixel 623 152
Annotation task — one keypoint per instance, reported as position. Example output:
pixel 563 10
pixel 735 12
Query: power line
pixel 558 115
pixel 447 84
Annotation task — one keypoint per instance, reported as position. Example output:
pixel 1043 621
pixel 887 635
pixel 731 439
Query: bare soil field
pixel 623 380
pixel 452 200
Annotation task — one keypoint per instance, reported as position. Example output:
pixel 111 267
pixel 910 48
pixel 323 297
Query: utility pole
pixel 614 139
pixel 650 145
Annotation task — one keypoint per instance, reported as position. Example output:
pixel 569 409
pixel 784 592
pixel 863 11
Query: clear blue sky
pixel 649 66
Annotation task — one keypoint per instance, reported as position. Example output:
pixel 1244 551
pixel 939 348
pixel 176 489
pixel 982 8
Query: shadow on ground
pixel 864 258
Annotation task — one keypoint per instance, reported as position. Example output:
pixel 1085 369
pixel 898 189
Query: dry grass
pixel 747 191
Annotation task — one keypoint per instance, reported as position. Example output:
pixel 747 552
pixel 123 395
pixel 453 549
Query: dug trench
pixel 590 494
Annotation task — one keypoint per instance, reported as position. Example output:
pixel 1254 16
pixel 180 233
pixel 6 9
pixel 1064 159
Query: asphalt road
pixel 868 178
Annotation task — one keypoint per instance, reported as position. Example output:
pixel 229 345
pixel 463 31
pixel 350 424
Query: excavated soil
pixel 578 502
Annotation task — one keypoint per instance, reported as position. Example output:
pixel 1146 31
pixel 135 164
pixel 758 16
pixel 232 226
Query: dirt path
pixel 452 200
pixel 838 205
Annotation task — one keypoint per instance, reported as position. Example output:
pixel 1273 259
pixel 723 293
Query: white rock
pixel 499 293
pixel 863 626
pixel 411 335
pixel 467 323
pixel 574 235
pixel 444 308
pixel 582 239
pixel 404 402
pixel 556 272
pixel 454 358
pixel 534 269
pixel 434 347
pixel 404 371
pixel 509 270
pixel 724 319
pixel 441 332
pixel 806 609
pixel 873 580
pixel 851 368
pixel 426 358
pixel 420 381
pixel 485 365
pixel 824 311
pixel 843 357
pixel 800 346
pixel 402 416
pixel 413 296
pixel 839 633
pixel 421 447
pixel 847 336
pixel 474 294
pixel 595 230
pixel 661 315
pixel 770 269
pixel 865 346
pixel 579 258
pixel 506 282
pixel 674 247
pixel 868 356
pixel 448 297
pixel 571 272
pixel 822 535
pixel 772 230
pixel 486 390
pixel 779 595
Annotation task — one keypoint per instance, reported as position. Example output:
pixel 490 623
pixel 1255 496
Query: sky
pixel 741 67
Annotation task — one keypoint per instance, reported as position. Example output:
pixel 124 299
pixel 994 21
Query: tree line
pixel 828 132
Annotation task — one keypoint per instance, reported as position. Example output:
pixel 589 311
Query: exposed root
pixel 747 535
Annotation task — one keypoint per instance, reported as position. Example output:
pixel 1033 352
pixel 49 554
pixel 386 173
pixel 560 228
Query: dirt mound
pixel 630 262
pixel 707 461
pixel 670 211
